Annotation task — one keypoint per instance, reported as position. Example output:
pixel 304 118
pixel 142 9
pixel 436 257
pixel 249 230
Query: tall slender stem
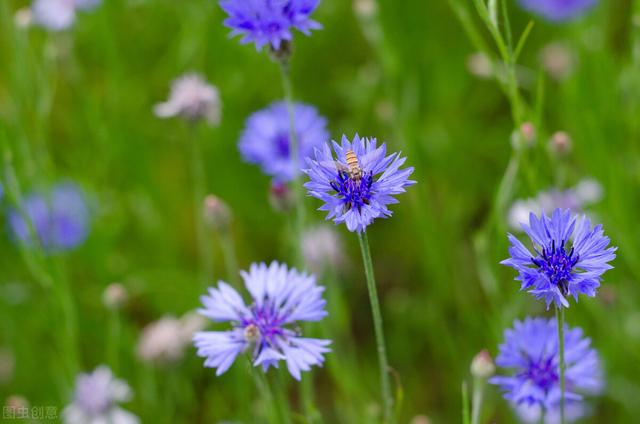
pixel 476 404
pixel 560 321
pixel 306 385
pixel 229 254
pixel 295 157
pixel 205 263
pixel 385 386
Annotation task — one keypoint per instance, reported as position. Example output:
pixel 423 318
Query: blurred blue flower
pixel 265 139
pixel 356 194
pixel 269 21
pixel 569 257
pixel 530 350
pixel 58 15
pixel 60 218
pixel 280 298
pixel 558 10
pixel 95 400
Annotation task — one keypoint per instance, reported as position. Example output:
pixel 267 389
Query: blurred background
pixel 77 105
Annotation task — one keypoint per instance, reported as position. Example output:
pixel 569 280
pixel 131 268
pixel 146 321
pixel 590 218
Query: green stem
pixel 466 419
pixel 295 159
pixel 276 409
pixel 229 254
pixel 385 386
pixel 199 181
pixel 306 385
pixel 113 344
pixel 476 404
pixel 560 321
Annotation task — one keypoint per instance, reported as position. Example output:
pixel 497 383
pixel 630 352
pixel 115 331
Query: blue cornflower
pixel 269 21
pixel 569 257
pixel 558 10
pixel 280 297
pixel 265 139
pixel 530 350
pixel 356 190
pixel 59 218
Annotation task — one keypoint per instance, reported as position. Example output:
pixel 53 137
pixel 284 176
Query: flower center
pixel 282 145
pixel 354 192
pixel 543 373
pixel 265 325
pixel 556 263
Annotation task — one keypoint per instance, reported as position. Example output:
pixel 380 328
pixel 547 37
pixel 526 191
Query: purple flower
pixel 356 194
pixel 58 15
pixel 569 257
pixel 280 297
pixel 59 218
pixel 558 10
pixel 265 139
pixel 95 400
pixel 269 21
pixel 530 350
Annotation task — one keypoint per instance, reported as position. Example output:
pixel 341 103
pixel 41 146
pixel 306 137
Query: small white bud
pixel 482 365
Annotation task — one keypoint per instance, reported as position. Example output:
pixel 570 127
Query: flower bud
pixel 482 365
pixel 558 60
pixel 7 365
pixel 560 143
pixel 525 136
pixel 16 404
pixel 114 296
pixel 281 197
pixel 216 212
pixel 479 65
pixel 23 18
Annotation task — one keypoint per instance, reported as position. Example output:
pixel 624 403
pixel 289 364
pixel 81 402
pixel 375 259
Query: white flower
pixel 192 98
pixel 322 248
pixel 58 15
pixel 585 193
pixel 95 400
pixel 166 339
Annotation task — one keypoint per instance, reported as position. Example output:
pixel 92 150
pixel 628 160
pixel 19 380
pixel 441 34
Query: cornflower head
pixel 96 399
pixel 267 328
pixel 558 10
pixel 530 351
pixel 269 22
pixel 569 257
pixel 265 139
pixel 359 183
pixel 59 218
pixel 58 15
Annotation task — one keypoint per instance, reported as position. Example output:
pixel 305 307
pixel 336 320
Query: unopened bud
pixel 114 296
pixel 216 212
pixel 420 419
pixel 479 65
pixel 16 404
pixel 560 143
pixel 365 8
pixel 525 136
pixel 7 365
pixel 281 197
pixel 528 131
pixel 558 60
pixel 482 365
pixel 23 18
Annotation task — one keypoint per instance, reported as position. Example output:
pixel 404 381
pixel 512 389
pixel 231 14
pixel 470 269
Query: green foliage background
pixel 79 105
